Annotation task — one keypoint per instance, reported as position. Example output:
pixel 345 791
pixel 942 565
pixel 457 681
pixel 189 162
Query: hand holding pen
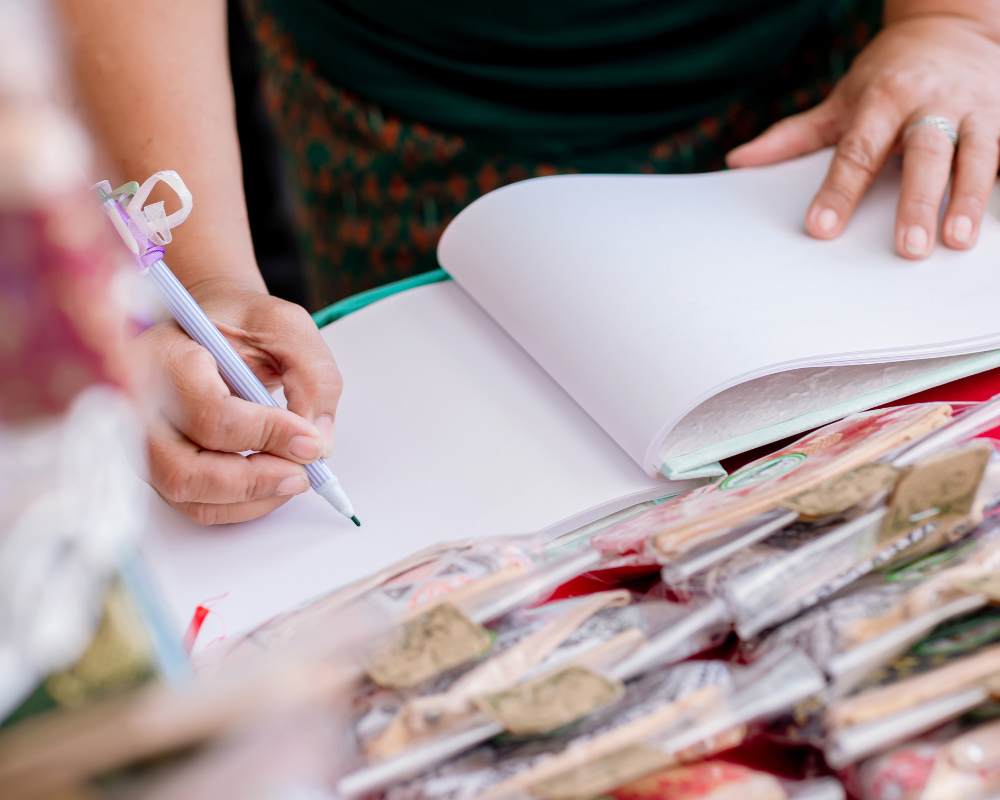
pixel 194 451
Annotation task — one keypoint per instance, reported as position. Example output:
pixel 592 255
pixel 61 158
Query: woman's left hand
pixel 919 65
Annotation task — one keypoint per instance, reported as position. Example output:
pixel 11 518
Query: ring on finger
pixel 934 121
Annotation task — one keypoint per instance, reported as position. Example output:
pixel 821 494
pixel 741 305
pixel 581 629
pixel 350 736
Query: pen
pixel 185 309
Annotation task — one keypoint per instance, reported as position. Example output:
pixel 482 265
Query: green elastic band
pixel 351 304
pixel 125 192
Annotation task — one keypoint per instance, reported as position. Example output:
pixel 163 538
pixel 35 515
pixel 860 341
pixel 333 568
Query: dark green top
pixel 550 78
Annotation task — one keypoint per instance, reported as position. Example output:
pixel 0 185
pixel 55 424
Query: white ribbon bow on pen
pixel 152 220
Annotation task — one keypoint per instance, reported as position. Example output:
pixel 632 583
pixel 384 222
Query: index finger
pixel 205 411
pixel 309 374
pixel 861 154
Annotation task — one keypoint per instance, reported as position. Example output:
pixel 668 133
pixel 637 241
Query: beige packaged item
pixel 551 701
pixel 673 527
pixel 770 689
pixel 684 713
pixel 884 701
pixel 943 676
pixel 548 774
pixel 432 642
pixel 933 502
pixel 891 609
pixel 649 705
pixel 430 714
pixel 437 637
pixel 674 632
pixel 942 488
pixel 847 490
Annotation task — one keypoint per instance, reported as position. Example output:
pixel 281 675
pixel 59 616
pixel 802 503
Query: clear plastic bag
pixel 508 767
pixel 886 612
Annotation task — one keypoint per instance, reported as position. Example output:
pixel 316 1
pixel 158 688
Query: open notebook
pixel 690 314
pixel 599 330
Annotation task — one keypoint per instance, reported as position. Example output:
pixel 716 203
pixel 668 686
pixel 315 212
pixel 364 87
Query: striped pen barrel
pixel 195 322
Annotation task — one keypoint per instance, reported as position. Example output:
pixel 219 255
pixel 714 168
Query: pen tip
pixel 355 521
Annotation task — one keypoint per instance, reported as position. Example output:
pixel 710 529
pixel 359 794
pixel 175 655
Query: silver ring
pixel 935 122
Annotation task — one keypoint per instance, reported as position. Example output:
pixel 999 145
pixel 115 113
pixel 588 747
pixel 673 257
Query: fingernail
pixel 827 220
pixel 304 447
pixel 915 240
pixel 295 484
pixel 324 425
pixel 961 229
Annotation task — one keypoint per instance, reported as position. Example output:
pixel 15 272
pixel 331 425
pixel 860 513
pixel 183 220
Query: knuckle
pixel 204 513
pixel 860 153
pixel 971 200
pixel 977 151
pixel 921 205
pixel 328 381
pixel 839 192
pixel 174 479
pixel 932 145
pixel 244 488
pixel 293 317
pixel 184 357
pixel 893 83
pixel 256 487
pixel 269 434
pixel 208 426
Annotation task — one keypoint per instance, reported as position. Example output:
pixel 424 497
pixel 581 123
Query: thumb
pixel 793 136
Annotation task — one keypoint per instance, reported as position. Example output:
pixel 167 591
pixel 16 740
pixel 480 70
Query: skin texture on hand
pixel 194 448
pixel 932 58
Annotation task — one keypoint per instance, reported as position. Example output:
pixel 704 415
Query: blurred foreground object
pixel 70 513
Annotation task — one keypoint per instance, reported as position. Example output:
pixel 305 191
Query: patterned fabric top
pixel 551 80
pixel 375 180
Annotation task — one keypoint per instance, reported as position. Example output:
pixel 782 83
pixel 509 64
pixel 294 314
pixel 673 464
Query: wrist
pixel 225 288
pixel 981 16
pixel 212 261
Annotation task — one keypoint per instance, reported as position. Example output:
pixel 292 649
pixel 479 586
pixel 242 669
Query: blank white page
pixel 446 430
pixel 645 295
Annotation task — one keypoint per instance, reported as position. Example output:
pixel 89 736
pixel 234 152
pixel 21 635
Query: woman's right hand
pixel 169 105
pixel 196 440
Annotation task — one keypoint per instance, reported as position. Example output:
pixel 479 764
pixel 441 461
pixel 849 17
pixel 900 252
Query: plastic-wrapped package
pixel 649 704
pixel 715 580
pixel 939 679
pixel 759 693
pixel 886 612
pixel 664 633
pixel 478 563
pixel 669 716
pixel 795 568
pixel 526 643
pixel 721 780
pixel 717 548
pixel 673 527
pixel 959 760
pixel 485 578
pixel 434 639
pixel 771 581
